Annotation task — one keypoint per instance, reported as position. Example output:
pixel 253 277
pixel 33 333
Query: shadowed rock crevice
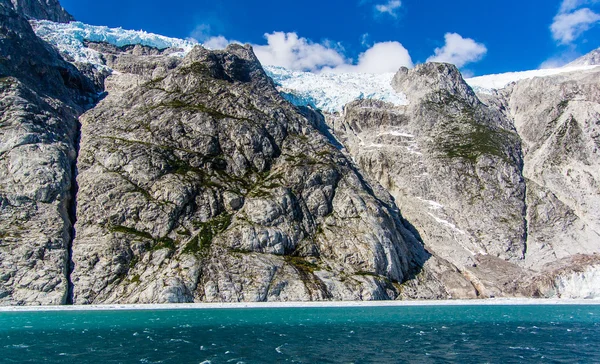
pixel 41 97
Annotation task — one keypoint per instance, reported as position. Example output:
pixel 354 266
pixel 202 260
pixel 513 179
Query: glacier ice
pixel 69 39
pixel 581 285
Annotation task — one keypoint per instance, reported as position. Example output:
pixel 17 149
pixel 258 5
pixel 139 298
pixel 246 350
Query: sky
pixel 479 36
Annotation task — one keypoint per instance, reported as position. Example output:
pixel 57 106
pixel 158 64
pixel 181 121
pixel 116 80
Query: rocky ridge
pixel 590 59
pixel 42 9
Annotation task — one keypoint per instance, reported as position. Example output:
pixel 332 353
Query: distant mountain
pixel 590 59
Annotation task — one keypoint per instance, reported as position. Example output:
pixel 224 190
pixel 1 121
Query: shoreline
pixel 319 304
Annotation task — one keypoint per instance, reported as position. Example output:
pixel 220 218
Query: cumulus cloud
pixel 567 27
pixel 300 54
pixel 291 51
pixel 219 42
pixel 573 20
pixel 390 8
pixel 202 34
pixel 458 51
pixel 382 57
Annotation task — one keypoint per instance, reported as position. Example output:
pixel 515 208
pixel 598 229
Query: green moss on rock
pixel 201 243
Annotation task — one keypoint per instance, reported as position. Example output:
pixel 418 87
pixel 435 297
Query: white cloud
pixel 569 5
pixel 202 33
pixel 364 40
pixel 219 42
pixel 290 51
pixel 567 27
pixel 391 7
pixel 300 54
pixel 293 52
pixel 458 51
pixel 382 57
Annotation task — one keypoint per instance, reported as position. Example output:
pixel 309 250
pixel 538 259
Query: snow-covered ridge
pixel 330 91
pixel 69 39
pixel 488 83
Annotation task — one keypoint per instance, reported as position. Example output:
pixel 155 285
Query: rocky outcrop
pixel 41 97
pixel 199 182
pixel 42 9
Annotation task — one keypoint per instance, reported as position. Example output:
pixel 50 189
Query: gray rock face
pixel 558 119
pixel 452 165
pixel 198 182
pixel 43 9
pixel 504 192
pixel 41 97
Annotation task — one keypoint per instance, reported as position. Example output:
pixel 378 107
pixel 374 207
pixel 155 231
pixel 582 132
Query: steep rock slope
pixel 42 9
pixel 558 119
pixel 41 97
pixel 453 166
pixel 199 182
pixel 503 185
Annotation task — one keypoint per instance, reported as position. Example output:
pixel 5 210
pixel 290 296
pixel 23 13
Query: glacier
pixel 69 39
pixel 326 91
pixel 331 91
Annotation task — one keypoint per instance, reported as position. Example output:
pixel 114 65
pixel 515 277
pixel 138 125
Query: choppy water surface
pixel 466 334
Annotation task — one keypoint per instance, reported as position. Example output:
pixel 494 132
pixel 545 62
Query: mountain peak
pixel 43 10
pixel 590 59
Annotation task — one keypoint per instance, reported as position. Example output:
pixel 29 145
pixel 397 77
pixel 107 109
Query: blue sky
pixel 480 36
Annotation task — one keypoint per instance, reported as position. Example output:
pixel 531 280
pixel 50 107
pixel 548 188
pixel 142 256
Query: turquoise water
pixel 430 334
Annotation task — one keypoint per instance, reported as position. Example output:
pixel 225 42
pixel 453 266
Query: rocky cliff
pixel 504 186
pixel 198 182
pixel 41 99
pixel 168 175
pixel 42 9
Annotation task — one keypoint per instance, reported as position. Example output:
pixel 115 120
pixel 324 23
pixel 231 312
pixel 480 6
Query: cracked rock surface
pixel 198 182
pixel 41 97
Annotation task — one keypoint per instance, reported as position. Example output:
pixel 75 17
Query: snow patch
pixel 396 133
pixel 448 224
pixel 432 204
